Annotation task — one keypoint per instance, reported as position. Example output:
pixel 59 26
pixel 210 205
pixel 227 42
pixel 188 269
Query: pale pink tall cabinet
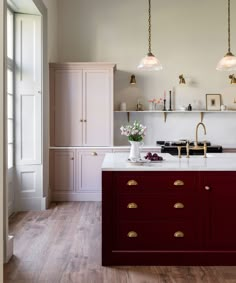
pixel 81 128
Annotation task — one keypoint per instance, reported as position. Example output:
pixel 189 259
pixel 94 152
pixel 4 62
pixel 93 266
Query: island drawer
pixel 156 236
pixel 136 207
pixel 178 181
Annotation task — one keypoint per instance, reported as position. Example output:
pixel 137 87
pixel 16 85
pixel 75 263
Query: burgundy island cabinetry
pixel 175 212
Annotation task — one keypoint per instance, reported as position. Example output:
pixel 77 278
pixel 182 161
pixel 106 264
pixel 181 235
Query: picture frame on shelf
pixel 213 102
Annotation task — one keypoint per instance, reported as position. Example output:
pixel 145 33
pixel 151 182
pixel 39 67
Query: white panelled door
pixel 28 109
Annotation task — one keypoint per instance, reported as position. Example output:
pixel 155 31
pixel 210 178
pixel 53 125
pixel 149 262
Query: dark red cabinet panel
pixel 153 206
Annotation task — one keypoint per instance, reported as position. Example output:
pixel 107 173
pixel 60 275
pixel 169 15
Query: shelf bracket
pixel 201 116
pixel 165 115
pixel 128 116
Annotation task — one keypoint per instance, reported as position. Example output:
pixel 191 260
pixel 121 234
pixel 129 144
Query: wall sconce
pixel 182 80
pixel 233 79
pixel 132 80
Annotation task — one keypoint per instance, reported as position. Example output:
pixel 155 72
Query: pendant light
pixel 149 62
pixel 228 62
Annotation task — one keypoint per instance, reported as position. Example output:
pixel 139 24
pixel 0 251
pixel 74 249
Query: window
pixel 10 87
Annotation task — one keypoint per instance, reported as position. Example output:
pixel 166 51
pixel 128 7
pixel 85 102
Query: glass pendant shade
pixel 227 63
pixel 150 63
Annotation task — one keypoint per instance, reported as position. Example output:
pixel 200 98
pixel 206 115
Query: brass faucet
pixel 196 146
pixel 204 127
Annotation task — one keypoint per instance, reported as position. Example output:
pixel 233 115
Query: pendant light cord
pixel 149 26
pixel 228 26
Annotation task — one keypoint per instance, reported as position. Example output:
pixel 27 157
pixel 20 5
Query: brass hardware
pixel 181 79
pixel 94 153
pixel 233 79
pixel 132 183
pixel 72 158
pixel 81 120
pixel 132 80
pixel 178 205
pixel 132 234
pixel 179 151
pixel 85 121
pixel 187 149
pixel 132 205
pixel 179 234
pixel 178 183
pixel 207 188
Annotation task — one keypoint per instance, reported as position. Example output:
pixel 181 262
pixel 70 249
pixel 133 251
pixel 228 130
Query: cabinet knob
pixel 178 205
pixel 132 183
pixel 94 153
pixel 85 120
pixel 132 234
pixel 178 183
pixel 81 120
pixel 72 158
pixel 207 188
pixel 132 205
pixel 179 234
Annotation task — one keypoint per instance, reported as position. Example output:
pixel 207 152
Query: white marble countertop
pixel 213 162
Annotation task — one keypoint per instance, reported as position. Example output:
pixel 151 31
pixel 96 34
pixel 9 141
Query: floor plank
pixel 63 245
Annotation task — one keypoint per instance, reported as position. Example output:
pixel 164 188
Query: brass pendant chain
pixel 149 27
pixel 228 26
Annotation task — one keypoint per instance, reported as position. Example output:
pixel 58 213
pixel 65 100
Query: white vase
pixel 135 150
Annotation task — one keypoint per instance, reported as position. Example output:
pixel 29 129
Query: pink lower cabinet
pixel 89 178
pixel 75 174
pixel 62 171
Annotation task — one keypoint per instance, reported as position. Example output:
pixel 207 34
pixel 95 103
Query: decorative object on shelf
pixel 170 109
pixel 164 107
pixel 123 106
pixel 213 102
pixel 232 78
pixel 151 104
pixel 189 107
pixel 228 62
pixel 139 106
pixel 182 80
pixel 132 80
pixel 150 62
pixel 135 134
pixel 154 103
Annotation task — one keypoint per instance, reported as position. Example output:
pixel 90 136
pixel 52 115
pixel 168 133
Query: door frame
pixel 4 245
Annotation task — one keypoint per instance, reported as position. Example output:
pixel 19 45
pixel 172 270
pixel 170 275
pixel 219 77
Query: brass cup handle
pixel 178 205
pixel 94 153
pixel 207 188
pixel 132 234
pixel 132 205
pixel 178 183
pixel 179 234
pixel 132 183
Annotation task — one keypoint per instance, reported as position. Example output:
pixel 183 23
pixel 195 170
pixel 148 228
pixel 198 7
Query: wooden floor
pixel 63 244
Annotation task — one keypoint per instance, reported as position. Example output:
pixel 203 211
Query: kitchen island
pixel 173 212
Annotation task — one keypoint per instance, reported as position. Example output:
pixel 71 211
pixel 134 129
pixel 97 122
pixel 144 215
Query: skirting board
pixel 25 204
pixel 82 196
pixel 9 248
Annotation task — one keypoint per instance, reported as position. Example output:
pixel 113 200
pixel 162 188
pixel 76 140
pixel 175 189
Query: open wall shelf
pixel 201 112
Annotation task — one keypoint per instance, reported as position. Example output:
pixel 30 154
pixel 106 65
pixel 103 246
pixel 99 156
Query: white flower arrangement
pixel 135 132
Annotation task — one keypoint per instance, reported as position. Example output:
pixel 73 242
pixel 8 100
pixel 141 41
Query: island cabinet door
pixel 219 194
pixel 62 171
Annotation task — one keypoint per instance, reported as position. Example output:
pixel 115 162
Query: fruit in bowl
pixel 153 157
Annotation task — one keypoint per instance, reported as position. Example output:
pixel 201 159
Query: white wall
pixel 52 8
pixel 188 37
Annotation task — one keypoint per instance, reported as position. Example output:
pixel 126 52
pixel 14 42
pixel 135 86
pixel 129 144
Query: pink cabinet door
pixel 97 91
pixel 67 107
pixel 62 170
pixel 89 175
